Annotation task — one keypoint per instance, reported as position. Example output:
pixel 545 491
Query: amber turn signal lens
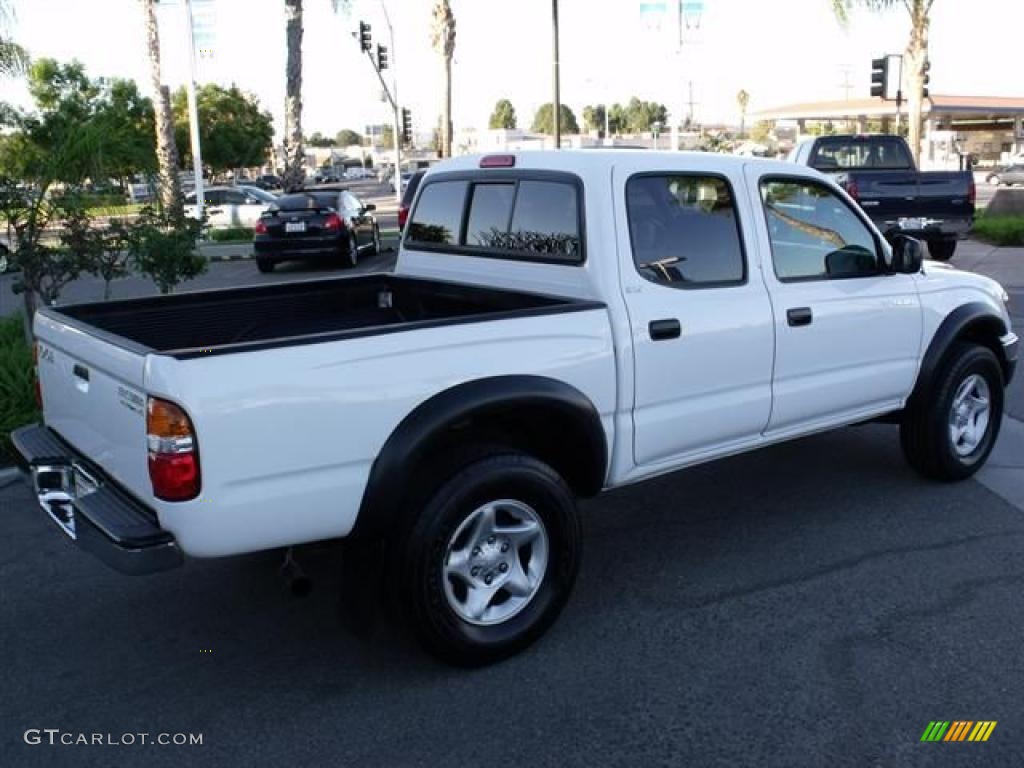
pixel 164 419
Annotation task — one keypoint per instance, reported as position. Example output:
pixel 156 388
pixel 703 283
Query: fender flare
pixel 409 442
pixel 949 331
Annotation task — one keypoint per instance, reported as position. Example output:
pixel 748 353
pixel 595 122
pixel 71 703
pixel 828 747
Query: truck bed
pixel 243 319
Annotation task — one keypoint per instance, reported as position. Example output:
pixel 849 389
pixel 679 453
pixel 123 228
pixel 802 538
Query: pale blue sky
pixel 788 50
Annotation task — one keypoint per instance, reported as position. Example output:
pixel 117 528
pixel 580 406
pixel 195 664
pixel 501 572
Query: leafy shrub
pixel 1001 230
pixel 231 235
pixel 17 382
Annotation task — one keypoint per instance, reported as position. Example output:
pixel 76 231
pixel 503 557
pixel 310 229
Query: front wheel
pixel 490 560
pixel 941 250
pixel 376 240
pixel 266 266
pixel 995 180
pixel 949 434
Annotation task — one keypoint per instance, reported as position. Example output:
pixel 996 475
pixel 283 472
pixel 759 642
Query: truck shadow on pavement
pixel 819 581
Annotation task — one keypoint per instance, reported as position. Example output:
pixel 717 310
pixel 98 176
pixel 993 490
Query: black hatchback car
pixel 325 226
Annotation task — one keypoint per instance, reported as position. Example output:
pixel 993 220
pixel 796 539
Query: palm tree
pixel 294 154
pixel 443 38
pixel 743 98
pixel 13 58
pixel 914 58
pixel 166 149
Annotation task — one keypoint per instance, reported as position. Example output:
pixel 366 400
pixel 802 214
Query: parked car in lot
pixel 359 173
pixel 1008 175
pixel 558 323
pixel 316 225
pixel 5 256
pixel 238 206
pixel 408 193
pixel 879 173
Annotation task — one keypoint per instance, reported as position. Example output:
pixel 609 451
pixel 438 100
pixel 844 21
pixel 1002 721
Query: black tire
pixel 266 266
pixel 352 251
pixel 925 428
pixel 377 250
pixel 994 179
pixel 941 250
pixel 419 558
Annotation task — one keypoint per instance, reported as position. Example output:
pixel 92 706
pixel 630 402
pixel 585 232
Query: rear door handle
pixel 799 316
pixel 664 329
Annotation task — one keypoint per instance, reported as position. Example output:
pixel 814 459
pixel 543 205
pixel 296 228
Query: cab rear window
pixel 512 217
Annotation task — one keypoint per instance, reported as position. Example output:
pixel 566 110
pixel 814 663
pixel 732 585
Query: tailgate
pixel 887 194
pixel 93 398
pixel 944 193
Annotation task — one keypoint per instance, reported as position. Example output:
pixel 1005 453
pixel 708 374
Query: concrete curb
pixel 228 256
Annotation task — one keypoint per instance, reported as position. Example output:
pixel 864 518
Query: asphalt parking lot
pixel 812 604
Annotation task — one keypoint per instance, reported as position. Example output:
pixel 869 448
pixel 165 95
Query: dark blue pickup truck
pixel 879 173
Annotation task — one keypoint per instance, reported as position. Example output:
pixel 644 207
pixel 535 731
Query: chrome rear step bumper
pixel 101 518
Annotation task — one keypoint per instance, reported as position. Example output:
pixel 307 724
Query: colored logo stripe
pixel 958 730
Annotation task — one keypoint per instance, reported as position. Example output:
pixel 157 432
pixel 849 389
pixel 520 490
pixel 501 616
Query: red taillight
pixel 403 215
pixel 173 452
pixel 333 223
pixel 498 161
pixel 972 192
pixel 851 189
pixel 260 228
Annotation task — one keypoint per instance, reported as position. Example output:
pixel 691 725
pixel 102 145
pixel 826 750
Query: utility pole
pixel 193 109
pixel 397 130
pixel 557 104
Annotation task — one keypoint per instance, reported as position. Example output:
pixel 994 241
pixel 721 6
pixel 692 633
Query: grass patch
pixel 17 383
pixel 1000 230
pixel 231 235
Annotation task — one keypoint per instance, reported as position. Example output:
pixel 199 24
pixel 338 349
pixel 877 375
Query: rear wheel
pixel 941 250
pixel 490 559
pixel 265 265
pixel 949 435
pixel 353 249
pixel 995 179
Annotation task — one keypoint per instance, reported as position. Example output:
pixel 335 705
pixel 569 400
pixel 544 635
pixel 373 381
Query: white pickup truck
pixel 558 323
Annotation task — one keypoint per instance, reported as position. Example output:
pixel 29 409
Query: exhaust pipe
pixel 299 584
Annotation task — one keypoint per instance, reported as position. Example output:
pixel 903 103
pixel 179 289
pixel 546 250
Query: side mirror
pixel 369 207
pixel 851 261
pixel 907 254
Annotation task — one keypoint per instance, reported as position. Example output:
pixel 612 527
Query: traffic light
pixel 879 76
pixel 382 57
pixel 406 125
pixel 364 36
pixel 925 79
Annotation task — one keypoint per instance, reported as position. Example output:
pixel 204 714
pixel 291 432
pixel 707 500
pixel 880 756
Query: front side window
pixel 438 213
pixel 814 234
pixel 684 230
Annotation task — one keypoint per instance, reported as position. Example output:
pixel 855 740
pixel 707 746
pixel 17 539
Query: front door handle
pixel 799 316
pixel 664 329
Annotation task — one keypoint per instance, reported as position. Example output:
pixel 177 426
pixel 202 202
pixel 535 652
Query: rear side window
pixel 684 231
pixel 513 218
pixel 438 215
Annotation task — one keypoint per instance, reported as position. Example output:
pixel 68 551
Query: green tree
pixel 915 56
pixel 543 121
pixel 641 115
pixel 162 246
pixel 346 137
pixel 503 116
pixel 233 131
pixel 593 118
pixel 319 140
pixel 618 119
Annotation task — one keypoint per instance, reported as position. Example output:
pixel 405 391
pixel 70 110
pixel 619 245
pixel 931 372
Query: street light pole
pixel 193 109
pixel 557 105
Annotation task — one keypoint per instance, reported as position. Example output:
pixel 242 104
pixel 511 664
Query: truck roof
pixel 601 158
